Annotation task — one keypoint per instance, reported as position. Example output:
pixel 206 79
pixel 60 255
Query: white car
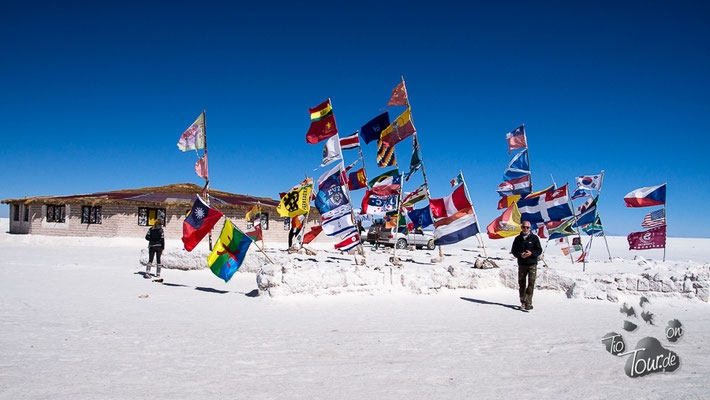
pixel 418 238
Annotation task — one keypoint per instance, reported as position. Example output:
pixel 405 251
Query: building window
pixel 56 213
pixel 287 224
pixel 90 215
pixel 27 213
pixel 16 212
pixel 148 216
pixel 265 221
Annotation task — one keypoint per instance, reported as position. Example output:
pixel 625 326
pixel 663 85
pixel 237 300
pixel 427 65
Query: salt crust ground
pixel 78 321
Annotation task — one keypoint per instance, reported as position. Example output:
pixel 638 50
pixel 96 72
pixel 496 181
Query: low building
pixel 129 212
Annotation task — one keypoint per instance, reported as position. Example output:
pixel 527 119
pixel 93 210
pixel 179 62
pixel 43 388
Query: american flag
pixel 654 219
pixel 350 142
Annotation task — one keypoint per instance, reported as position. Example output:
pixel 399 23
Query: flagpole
pixel 478 225
pixel 527 150
pixel 261 226
pixel 601 182
pixel 207 184
pixel 665 215
pixel 576 221
pixel 253 241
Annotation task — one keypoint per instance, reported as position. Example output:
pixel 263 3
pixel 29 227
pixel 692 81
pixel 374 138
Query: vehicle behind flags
pixel 331 151
pixel 295 202
pixel 194 137
pixel 400 129
pixel 357 179
pixel 372 130
pixel 198 223
pixel 589 182
pixel 322 123
pixel 350 142
pixel 646 196
pixel 651 239
pixel 229 252
pixel 399 96
pixel 451 204
pixel 518 166
pixel 517 186
pixel 385 155
pixel 507 225
pixel 516 139
pixel 654 219
pixel 421 218
pixel 552 206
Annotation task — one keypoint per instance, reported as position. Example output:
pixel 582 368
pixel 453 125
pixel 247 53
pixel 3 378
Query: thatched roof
pixel 178 194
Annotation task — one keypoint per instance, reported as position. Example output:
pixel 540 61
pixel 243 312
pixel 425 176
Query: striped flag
pixel 654 219
pixel 385 155
pixel 350 142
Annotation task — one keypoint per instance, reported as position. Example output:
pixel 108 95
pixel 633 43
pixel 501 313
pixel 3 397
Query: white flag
pixel 331 151
pixel 591 182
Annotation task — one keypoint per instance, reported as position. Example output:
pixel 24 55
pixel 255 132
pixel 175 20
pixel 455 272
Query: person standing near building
pixel 527 249
pixel 156 244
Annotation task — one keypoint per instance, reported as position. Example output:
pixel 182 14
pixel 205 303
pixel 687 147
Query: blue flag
pixel 371 130
pixel 518 166
pixel 330 193
pixel 420 218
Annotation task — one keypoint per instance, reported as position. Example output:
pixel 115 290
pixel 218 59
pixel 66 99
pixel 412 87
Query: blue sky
pixel 96 94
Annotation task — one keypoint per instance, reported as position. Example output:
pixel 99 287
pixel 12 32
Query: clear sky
pixel 95 95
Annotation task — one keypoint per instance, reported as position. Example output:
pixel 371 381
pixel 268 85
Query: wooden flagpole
pixel 485 253
pixel 665 215
pixel 261 226
pixel 207 184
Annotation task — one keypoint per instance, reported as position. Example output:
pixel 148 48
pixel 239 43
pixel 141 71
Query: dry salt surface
pixel 77 321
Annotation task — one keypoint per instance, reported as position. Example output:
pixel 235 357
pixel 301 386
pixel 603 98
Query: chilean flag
pixel 647 196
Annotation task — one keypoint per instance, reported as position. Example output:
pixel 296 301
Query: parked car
pixel 385 236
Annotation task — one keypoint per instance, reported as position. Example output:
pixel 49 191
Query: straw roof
pixel 179 194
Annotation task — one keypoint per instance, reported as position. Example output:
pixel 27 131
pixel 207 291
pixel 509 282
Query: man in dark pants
pixel 526 248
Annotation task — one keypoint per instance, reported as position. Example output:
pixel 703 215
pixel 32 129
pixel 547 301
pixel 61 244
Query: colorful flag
pixel 646 196
pixel 373 129
pixel 315 231
pixel 254 213
pixel 382 177
pixel 457 180
pixel 552 206
pixel 322 123
pixel 421 218
pixel 295 202
pixel 350 142
pixel 651 239
pixel 229 252
pixel 331 151
pixel 254 232
pixel 357 179
pixel 516 139
pixel 201 168
pixel 399 96
pixel 559 229
pixel 589 215
pixel 378 205
pixel 589 182
pixel 579 193
pixel 654 219
pixel 517 186
pixel 580 209
pixel 337 225
pixel 449 205
pixel 506 201
pixel 385 155
pixel 400 129
pixel 194 137
pixel 456 227
pixel 541 192
pixel 413 197
pixel 332 198
pixel 198 223
pixel 507 225
pixel 593 228
pixel 349 242
pixel 518 166
pixel 415 162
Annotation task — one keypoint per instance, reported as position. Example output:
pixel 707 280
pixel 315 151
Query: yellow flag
pixel 296 202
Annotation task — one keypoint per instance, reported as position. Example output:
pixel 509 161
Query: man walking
pixel 526 248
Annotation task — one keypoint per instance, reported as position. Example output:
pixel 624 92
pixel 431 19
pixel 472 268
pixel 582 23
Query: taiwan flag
pixel 646 196
pixel 198 223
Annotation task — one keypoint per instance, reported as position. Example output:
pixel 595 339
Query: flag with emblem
pixel 412 198
pixel 589 182
pixel 254 213
pixel 322 123
pixel 357 179
pixel 400 129
pixel 229 252
pixel 457 180
pixel 372 130
pixel 507 225
pixel 198 223
pixel 295 202
pixel 654 238
pixel 194 137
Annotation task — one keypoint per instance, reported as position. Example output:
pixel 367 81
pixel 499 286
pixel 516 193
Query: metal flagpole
pixel 474 212
pixel 261 226
pixel 665 215
pixel 416 142
pixel 601 182
pixel 207 180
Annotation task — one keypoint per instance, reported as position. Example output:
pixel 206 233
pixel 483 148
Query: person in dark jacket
pixel 527 249
pixel 156 244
